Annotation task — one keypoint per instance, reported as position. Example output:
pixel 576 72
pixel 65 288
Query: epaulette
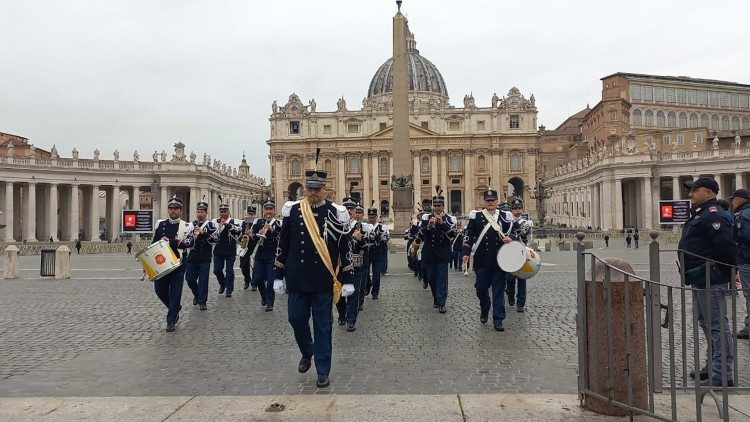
pixel 286 209
pixel 712 209
pixel 342 214
pixel 472 214
pixel 159 222
pixel 425 217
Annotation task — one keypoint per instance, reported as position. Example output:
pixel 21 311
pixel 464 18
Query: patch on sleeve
pixel 712 209
pixel 472 214
pixel 716 225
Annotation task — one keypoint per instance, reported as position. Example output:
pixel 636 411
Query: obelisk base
pixel 403 208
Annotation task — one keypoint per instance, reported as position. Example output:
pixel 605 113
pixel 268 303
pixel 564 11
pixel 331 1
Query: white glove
pixel 347 290
pixel 279 286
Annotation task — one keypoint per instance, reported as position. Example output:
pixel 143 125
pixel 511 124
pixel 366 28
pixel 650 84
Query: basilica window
pixel 724 99
pixel 295 168
pixel 425 165
pixel 713 98
pixel 635 92
pixel 515 121
pixel 455 163
pixel 671 119
pixel 649 118
pixel 665 141
pixel 714 122
pixel 680 96
pixel 425 125
pixel 327 166
pixel 481 162
pixel 352 128
pixel 698 138
pixel 384 166
pixel 691 96
pixel 648 93
pixel 735 123
pixel 669 95
pixel 660 118
pixel 454 125
pixel 659 94
pixel 515 162
pixel 480 125
pixel 637 118
pixel 680 139
pixel 383 126
pixel 734 100
pixel 353 165
pixel 326 129
pixel 725 123
pixel 704 120
pixel 744 98
pixel 702 98
pixel 683 119
pixel 693 120
pixel 294 127
pixel 745 123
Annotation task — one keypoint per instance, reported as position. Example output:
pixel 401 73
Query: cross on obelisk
pixel 402 182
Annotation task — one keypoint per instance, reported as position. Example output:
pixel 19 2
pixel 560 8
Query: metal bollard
pixel 62 263
pixel 11 264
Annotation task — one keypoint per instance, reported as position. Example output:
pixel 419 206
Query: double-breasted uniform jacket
pixel 226 243
pixel 267 249
pixel 201 246
pixel 298 261
pixel 485 255
pixel 708 234
pixel 380 237
pixel 171 230
pixel 436 240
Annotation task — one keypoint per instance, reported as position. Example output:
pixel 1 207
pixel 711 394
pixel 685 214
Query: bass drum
pixel 518 259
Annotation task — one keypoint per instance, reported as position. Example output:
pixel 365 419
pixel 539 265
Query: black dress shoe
pixel 269 308
pixel 360 308
pixel 434 305
pixel 170 328
pixel 521 309
pixel 374 297
pixel 195 302
pixel 499 327
pixel 203 307
pixel 304 364
pixel 351 328
pixel 716 382
pixel 483 319
pixel 703 374
pixel 342 321
pixel 247 285
pixel 222 289
pixel 254 289
pixel 743 334
pixel 424 285
pixel 263 303
pixel 323 381
pixel 228 294
pixel 442 310
pixel 511 301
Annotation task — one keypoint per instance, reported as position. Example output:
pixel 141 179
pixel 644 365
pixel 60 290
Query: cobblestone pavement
pixel 102 334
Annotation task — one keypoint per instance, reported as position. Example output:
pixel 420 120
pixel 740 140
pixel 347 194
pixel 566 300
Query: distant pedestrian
pixel 636 238
pixel 628 240
pixel 129 245
pixel 78 246
pixel 606 240
pixel 51 239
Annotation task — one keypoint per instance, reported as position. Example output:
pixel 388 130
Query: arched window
pixel 660 118
pixel 714 122
pixel 295 168
pixel 735 123
pixel 683 120
pixel 455 162
pixel 481 163
pixel 671 119
pixel 327 166
pixel 384 166
pixel 693 120
pixel 515 162
pixel 746 122
pixel 725 123
pixel 649 118
pixel 704 120
pixel 425 164
pixel 636 118
pixel 353 165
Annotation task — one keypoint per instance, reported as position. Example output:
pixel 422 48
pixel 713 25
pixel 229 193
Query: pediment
pixel 414 132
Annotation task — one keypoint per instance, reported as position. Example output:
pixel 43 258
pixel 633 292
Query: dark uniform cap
pixel 174 203
pixel 372 212
pixel 349 202
pixel 224 207
pixel 518 202
pixel 269 205
pixel 359 208
pixel 505 206
pixel 251 209
pixel 740 193
pixel 703 182
pixel 490 195
pixel 438 200
pixel 315 178
pixel 202 205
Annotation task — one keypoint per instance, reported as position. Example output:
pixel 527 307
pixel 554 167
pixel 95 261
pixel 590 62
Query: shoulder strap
pixel 320 245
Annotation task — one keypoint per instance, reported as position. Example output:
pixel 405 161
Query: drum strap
pixel 320 245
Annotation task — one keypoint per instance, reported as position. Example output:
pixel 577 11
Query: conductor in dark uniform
pixel 314 259
pixel 436 231
pixel 169 287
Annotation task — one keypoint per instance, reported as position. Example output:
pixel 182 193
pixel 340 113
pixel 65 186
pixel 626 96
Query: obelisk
pixel 402 182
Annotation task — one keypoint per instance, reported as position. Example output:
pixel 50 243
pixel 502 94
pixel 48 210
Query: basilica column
pixel 417 179
pixel 375 160
pixel 606 205
pixel 9 218
pixel 30 235
pixel 341 177
pixel 595 221
pixel 496 163
pixel 676 188
pixel 75 213
pixel 444 175
pixel 115 210
pixel 468 183
pixel 648 220
pixel 52 222
pixel 434 171
pixel 366 182
pixel 717 177
pixel 94 220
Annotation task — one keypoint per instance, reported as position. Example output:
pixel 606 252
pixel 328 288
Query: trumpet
pixel 242 247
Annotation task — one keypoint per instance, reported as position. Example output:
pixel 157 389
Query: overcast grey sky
pixel 143 74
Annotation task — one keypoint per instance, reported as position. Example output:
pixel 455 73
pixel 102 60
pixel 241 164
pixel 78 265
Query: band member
pixel 246 229
pixel 436 231
pixel 169 287
pixel 359 215
pixel 265 240
pixel 314 252
pixel 348 307
pixel 225 249
pixel 199 237
pixel 457 247
pixel 378 250
pixel 523 227
pixel 485 234
pixel 410 236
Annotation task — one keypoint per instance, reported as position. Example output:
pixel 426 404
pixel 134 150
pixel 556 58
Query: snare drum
pixel 518 259
pixel 158 260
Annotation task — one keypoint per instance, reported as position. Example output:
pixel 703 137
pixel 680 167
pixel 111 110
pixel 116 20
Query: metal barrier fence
pixel 619 309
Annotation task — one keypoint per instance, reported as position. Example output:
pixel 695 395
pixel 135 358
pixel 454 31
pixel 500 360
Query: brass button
pixel 302 242
pixel 301 261
pixel 302 233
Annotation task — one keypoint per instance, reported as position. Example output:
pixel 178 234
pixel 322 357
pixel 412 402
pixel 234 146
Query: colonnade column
pixel 94 229
pixel 606 204
pixel 163 201
pixel 52 212
pixel 9 218
pixel 341 178
pixel 74 213
pixel 595 217
pixel 676 188
pixel 617 202
pixel 115 209
pixel 717 177
pixel 434 170
pixel 193 200
pixel 648 220
pixel 739 182
pixel 30 234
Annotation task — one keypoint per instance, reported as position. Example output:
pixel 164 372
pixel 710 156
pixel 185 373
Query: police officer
pixel 436 231
pixel 246 229
pixel 708 235
pixel 198 238
pixel 314 243
pixel 522 232
pixel 348 308
pixel 488 230
pixel 741 237
pixel 225 250
pixel 380 236
pixel 265 232
pixel 169 287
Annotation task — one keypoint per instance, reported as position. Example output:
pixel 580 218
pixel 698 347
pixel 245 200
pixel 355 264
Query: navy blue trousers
pixel 225 280
pixel 510 287
pixel 196 275
pixel 348 307
pixel 263 279
pixel 169 290
pixel 377 272
pixel 491 278
pixel 245 267
pixel 436 274
pixel 318 344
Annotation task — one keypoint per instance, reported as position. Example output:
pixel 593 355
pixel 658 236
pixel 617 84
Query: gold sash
pixel 320 245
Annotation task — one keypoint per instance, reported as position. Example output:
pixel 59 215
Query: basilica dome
pixel 423 75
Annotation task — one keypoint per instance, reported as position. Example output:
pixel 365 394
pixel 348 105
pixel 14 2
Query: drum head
pixel 512 256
